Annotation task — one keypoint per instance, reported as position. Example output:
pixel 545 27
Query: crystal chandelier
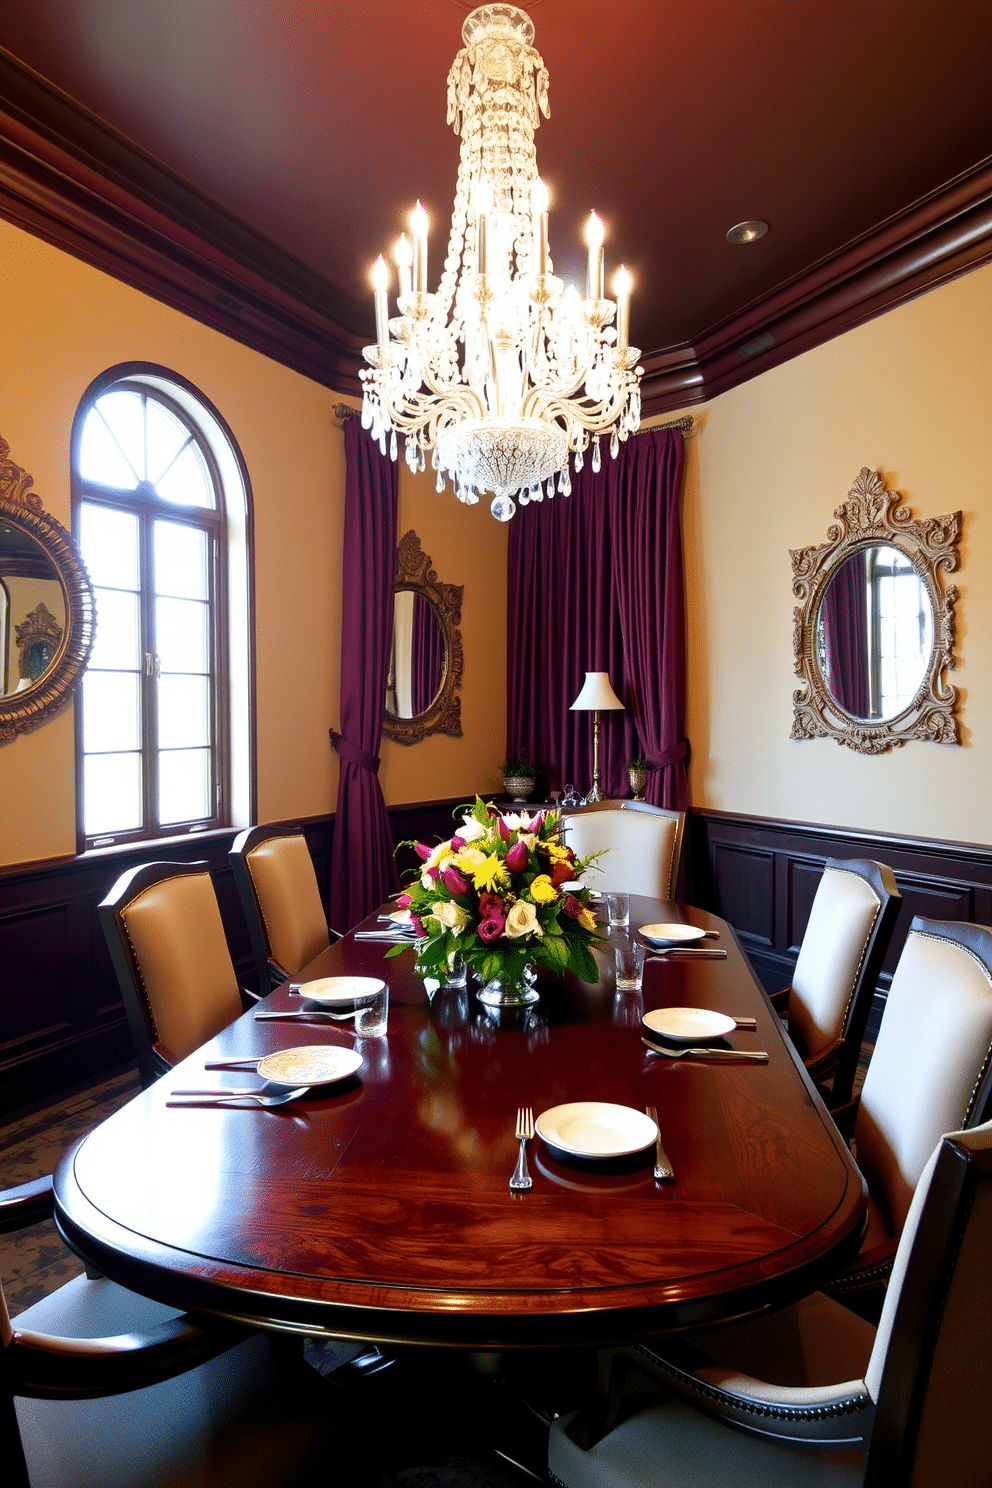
pixel 543 372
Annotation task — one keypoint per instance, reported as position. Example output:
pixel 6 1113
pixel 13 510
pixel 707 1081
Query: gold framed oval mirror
pixel 47 615
pixel 425 664
pixel 873 631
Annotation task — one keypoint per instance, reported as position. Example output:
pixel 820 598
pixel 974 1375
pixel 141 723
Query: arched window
pixel 160 512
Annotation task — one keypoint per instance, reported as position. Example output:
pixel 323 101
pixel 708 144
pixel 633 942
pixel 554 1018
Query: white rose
pixel 451 916
pixel 469 858
pixel 522 920
pixel 529 840
pixel 471 830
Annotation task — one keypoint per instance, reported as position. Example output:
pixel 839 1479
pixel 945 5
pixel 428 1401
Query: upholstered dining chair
pixel 277 885
pixel 103 1388
pixel 904 1403
pixel 643 845
pixel 169 950
pixel 847 935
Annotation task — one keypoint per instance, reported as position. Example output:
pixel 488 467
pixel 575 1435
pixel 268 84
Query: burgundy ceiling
pixel 317 122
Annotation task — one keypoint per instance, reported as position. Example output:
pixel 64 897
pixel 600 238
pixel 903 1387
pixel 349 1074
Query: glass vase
pixel 512 987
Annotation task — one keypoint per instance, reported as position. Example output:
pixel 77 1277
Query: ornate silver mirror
pixel 46 606
pixel 425 665
pixel 874 625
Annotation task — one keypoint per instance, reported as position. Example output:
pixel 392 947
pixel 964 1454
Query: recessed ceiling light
pixel 747 232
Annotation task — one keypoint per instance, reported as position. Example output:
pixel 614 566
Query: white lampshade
pixel 596 694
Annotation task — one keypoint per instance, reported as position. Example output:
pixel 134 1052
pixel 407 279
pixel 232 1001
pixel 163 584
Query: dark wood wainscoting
pixel 61 1017
pixel 761 875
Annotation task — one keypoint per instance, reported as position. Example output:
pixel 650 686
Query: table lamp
pixel 596 696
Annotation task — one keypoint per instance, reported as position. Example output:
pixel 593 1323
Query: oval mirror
pixel 874 633
pixel 46 606
pixel 425 667
pixel 873 627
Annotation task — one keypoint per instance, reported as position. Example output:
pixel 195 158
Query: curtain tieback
pixel 669 756
pixel 352 755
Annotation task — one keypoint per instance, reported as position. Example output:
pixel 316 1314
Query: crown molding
pixel 69 178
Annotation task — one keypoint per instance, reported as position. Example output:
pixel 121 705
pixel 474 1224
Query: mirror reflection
pixel 417 659
pixel 32 611
pixel 874 633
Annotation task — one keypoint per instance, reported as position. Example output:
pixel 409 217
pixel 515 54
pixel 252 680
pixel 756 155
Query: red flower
pixel 453 880
pixel 492 928
pixel 491 906
pixel 571 906
pixel 561 873
pixel 457 843
pixel 418 925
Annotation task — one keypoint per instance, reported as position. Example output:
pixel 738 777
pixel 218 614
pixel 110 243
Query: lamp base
pixel 595 794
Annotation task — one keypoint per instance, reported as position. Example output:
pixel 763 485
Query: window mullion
pixel 149 689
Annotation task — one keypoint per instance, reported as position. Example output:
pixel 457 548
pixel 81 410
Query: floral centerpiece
pixel 502 893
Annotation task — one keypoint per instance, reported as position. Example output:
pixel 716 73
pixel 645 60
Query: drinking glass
pixel 618 910
pixel 457 970
pixel 372 1013
pixel 630 967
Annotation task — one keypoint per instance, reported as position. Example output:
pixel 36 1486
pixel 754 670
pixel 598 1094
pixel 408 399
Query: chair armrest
pixel 845 1116
pixel 249 998
pixel 862 1287
pixel 824 1064
pixel 47 1367
pixel 27 1204
pixel 780 1000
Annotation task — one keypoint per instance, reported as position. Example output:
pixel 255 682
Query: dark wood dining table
pixel 380 1208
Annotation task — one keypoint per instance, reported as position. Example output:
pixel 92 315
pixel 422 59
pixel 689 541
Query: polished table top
pixel 380 1208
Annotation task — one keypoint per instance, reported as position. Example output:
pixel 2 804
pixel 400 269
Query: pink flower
pixel 457 843
pixel 571 906
pixel 453 880
pixel 516 858
pixel 430 874
pixel 418 924
pixel 491 907
pixel 422 851
pixel 504 830
pixel 535 825
pixel 492 928
pixel 404 901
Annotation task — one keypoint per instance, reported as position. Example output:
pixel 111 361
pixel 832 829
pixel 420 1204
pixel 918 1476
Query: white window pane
pixel 125 418
pixel 183 785
pixel 183 712
pixel 111 719
pixel 180 560
pixel 117 645
pixel 188 480
pixel 111 793
pixel 108 541
pixel 101 458
pixel 166 436
pixel 181 635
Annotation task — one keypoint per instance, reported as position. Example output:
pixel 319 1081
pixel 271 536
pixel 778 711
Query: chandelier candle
pixel 502 372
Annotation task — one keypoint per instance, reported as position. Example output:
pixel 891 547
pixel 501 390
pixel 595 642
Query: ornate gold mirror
pixel 47 618
pixel 425 664
pixel 873 630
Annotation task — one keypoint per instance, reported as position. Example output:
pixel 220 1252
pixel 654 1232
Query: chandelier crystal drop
pixel 502 372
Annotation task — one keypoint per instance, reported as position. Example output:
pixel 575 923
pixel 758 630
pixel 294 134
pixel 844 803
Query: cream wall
pixel 910 395
pixel 64 323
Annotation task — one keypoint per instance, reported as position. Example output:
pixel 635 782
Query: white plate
pixel 575 883
pixel 316 1064
pixel 684 1025
pixel 596 1129
pixel 671 934
pixel 401 917
pixel 339 989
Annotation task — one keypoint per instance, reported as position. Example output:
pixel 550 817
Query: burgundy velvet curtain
pixel 844 612
pixel 595 584
pixel 427 659
pixel 363 870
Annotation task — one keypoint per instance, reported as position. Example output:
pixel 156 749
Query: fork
pixel 707 1053
pixel 663 1169
pixel 236 1097
pixel 525 1130
pixel 320 1013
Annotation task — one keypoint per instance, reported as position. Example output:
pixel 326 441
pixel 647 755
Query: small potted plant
pixel 637 771
pixel 519 777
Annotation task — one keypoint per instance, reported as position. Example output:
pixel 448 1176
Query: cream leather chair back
pixel 275 878
pixel 643 846
pixel 167 942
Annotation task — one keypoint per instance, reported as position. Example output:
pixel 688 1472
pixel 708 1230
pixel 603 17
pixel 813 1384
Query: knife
pixel 716 1055
pixel 306 1013
pixel 711 953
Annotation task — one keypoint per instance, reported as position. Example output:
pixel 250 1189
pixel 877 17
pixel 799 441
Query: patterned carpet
pixel 34 1261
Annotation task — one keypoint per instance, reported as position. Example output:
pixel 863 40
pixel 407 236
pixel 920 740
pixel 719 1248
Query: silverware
pixel 707 1053
pixel 394 935
pixel 662 1162
pixel 524 1132
pixel 222 1064
pixel 746 1023
pixel 702 953
pixel 319 1013
pixel 235 1097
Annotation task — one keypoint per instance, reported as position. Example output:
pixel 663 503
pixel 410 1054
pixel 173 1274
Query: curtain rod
pixel 345 411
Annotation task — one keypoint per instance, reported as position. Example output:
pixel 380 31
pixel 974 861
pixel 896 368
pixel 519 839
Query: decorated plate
pixel 314 1064
pixel 672 934
pixel 596 1129
pixel 687 1025
pixel 341 989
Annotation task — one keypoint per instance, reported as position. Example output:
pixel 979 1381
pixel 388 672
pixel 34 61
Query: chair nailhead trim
pixel 746 1406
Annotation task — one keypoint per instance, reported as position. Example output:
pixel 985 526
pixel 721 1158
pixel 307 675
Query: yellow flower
pixel 488 873
pixel 556 852
pixel 469 859
pixel 542 890
pixel 586 919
